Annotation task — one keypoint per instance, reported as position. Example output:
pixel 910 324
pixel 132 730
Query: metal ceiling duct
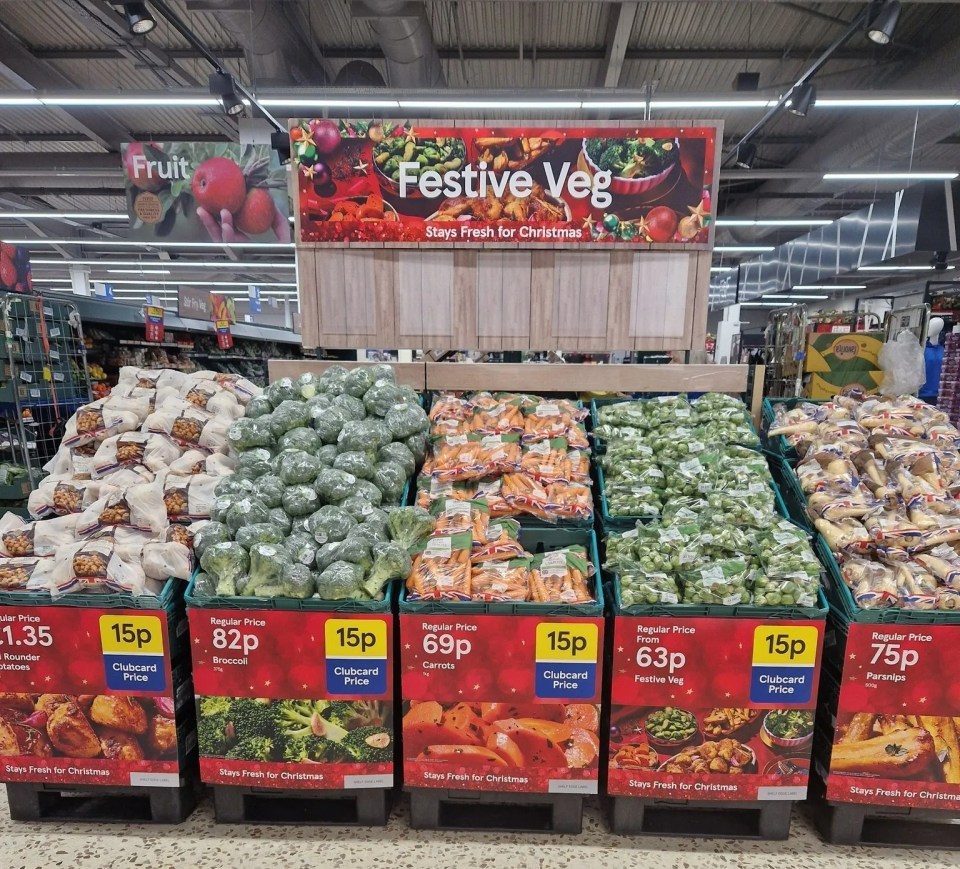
pixel 406 40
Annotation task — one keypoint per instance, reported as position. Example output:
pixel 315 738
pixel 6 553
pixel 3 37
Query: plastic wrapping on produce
pixel 140 507
pixel 154 452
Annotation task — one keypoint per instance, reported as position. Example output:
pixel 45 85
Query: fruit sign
pixel 713 709
pixel 197 191
pixel 372 180
pixel 501 703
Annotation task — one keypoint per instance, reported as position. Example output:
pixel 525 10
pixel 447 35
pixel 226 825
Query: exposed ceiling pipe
pixel 405 37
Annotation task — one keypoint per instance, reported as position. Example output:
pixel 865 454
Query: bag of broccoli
pixel 405 420
pixel 330 524
pixel 400 454
pixel 246 511
pixel 390 479
pixel 288 416
pixel 360 463
pixel 383 395
pixel 267 562
pixel 300 500
pixel 258 406
pixel 328 423
pixel 279 518
pixel 246 433
pixel 326 454
pixel 334 486
pixel 299 467
pixel 209 534
pixel 353 407
pixel 358 380
pixel 302 438
pixel 270 490
pixel 262 532
pixel 342 580
pixel 302 548
pixel 282 390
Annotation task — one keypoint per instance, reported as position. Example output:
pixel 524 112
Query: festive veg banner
pixel 294 699
pixel 501 702
pixel 897 736
pixel 377 180
pixel 203 191
pixel 717 709
pixel 88 697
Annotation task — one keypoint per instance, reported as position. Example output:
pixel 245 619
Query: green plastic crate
pixel 535 541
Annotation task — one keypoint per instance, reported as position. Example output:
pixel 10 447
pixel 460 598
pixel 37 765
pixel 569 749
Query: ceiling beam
pixel 26 72
pixel 619 28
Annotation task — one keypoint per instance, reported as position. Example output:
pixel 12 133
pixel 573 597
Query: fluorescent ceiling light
pixel 793 297
pixel 321 102
pixel 890 176
pixel 19 101
pixel 180 283
pixel 119 242
pixel 900 268
pixel 744 248
pixel 704 104
pixel 534 105
pixel 888 103
pixel 62 215
pixel 183 264
pixel 765 304
pixel 773 221
pixel 830 287
pixel 723 268
pixel 37 280
pixel 145 100
pixel 138 271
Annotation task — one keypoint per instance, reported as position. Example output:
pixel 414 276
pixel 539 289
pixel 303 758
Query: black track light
pixel 883 21
pixel 139 19
pixel 746 154
pixel 801 98
pixel 222 86
pixel 280 142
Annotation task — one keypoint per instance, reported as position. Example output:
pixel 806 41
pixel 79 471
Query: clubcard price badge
pixel 566 660
pixel 356 656
pixel 133 653
pixel 784 663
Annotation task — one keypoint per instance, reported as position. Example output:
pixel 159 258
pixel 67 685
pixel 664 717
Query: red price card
pixel 501 703
pixel 153 317
pixel 294 699
pixel 897 738
pixel 708 708
pixel 88 697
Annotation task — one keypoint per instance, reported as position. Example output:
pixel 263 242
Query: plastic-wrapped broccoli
pixel 262 532
pixel 300 501
pixel 360 463
pixel 326 454
pixel 299 467
pixel 334 486
pixel 409 394
pixel 417 444
pixel 222 503
pixel 288 416
pixel 302 438
pixel 358 507
pixel 277 460
pixel 342 580
pixel 368 492
pixel 267 561
pixel 332 379
pixel 372 532
pixel 383 371
pixel 253 464
pixel 279 518
pixel 390 479
pixel 270 490
pixel 330 524
pixel 298 525
pixel 329 423
pixel 390 561
pixel 405 420
pixel 360 435
pixel 302 548
pixel 308 384
pixel 282 390
pixel 409 525
pixel 353 407
pixel 359 380
pixel 204 585
pixel 246 511
pixel 297 581
pixel 320 400
pixel 234 485
pixel 209 534
pixel 400 453
pixel 246 433
pixel 356 549
pixel 383 395
pixel 258 406
pixel 326 555
pixel 228 564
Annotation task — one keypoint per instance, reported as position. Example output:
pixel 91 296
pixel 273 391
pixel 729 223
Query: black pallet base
pixel 31 801
pixel 636 816
pixel 858 824
pixel 495 811
pixel 360 807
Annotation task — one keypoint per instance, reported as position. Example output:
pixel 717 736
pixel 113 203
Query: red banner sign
pixel 501 703
pixel 88 697
pixel 397 181
pixel 713 708
pixel 224 336
pixel 294 699
pixel 153 316
pixel 897 739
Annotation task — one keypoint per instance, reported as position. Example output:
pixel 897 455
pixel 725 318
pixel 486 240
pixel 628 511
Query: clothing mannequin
pixel 933 360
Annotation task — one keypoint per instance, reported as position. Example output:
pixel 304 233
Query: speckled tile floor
pixel 201 844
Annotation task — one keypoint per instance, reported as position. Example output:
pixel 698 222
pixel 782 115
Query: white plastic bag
pixel 242 388
pixel 57 496
pixel 211 397
pixel 20 539
pixel 901 360
pixel 96 422
pixel 154 452
pixel 98 565
pixel 162 560
pixel 76 462
pixel 199 462
pixel 132 377
pixel 26 574
pixel 188 497
pixel 140 507
pixel 189 427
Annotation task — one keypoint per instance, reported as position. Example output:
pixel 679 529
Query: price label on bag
pixel 566 660
pixel 356 652
pixel 783 664
pixel 132 649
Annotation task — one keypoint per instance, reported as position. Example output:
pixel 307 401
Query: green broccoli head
pixel 369 745
pixel 311 749
pixel 209 706
pixel 409 525
pixel 391 562
pixel 295 718
pixel 215 734
pixel 252 718
pixel 257 748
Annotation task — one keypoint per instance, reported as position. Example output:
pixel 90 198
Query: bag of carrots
pixel 561 576
pixel 551 461
pixel 548 501
pixel 491 491
pixel 502 580
pixel 496 415
pixel 441 569
pixel 457 457
pixel 458 517
pixel 430 489
pixel 501 454
pixel 448 406
pixel 555 419
pixel 501 542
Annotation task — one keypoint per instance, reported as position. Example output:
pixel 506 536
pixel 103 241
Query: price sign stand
pixel 114 739
pixel 295 708
pixel 887 748
pixel 501 706
pixel 711 717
